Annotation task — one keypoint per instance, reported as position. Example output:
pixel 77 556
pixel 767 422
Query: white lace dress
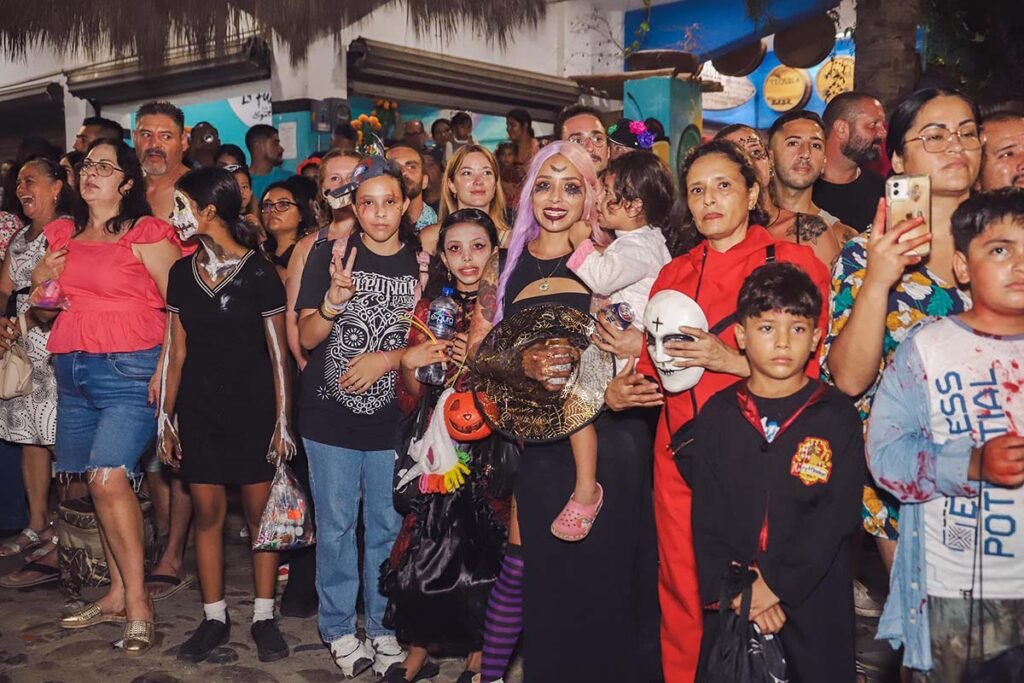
pixel 30 419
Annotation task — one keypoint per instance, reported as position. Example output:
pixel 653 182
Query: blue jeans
pixel 103 418
pixel 338 478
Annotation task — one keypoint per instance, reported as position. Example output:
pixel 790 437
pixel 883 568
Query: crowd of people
pixel 805 362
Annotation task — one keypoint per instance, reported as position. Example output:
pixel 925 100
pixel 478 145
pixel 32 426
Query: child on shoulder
pixel 945 437
pixel 638 196
pixel 776 465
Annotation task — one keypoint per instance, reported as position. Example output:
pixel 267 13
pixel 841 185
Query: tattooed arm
pixel 486 304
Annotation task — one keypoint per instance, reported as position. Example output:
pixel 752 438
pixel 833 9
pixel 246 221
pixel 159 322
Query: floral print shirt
pixel 918 295
pixel 10 225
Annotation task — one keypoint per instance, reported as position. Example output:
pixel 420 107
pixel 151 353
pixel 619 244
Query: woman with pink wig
pixel 598 595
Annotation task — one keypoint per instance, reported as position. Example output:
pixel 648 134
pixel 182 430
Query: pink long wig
pixel 526 227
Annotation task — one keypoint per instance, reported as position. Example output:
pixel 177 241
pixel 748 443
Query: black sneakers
pixel 211 634
pixel 269 643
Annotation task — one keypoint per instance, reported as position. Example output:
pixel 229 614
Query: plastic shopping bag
pixel 49 295
pixel 286 523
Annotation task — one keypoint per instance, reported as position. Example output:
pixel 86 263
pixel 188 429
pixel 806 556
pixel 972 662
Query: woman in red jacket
pixel 722 204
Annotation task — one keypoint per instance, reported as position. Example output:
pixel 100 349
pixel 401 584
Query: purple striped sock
pixel 504 617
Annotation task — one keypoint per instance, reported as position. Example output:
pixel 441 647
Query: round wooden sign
pixel 741 61
pixel 806 44
pixel 834 77
pixel 786 88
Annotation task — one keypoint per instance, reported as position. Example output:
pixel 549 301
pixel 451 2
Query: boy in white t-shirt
pixel 946 437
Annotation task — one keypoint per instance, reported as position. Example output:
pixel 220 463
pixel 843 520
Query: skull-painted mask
pixel 182 218
pixel 665 313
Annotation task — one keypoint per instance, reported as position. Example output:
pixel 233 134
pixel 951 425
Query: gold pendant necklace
pixel 544 284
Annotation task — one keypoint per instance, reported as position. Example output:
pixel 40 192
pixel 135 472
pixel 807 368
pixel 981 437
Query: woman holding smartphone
pixel 881 287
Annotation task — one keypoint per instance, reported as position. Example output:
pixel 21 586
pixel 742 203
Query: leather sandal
pixel 575 520
pixel 16 547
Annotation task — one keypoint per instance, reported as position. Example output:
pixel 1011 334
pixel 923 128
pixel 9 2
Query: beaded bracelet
pixel 329 317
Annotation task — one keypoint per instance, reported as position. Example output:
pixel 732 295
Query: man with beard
pixel 410 160
pixel 267 155
pixel 160 143
pixel 582 125
pixel 94 127
pixel 1002 156
pixel 855 129
pixel 796 149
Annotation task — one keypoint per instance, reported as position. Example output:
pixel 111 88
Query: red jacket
pixel 723 276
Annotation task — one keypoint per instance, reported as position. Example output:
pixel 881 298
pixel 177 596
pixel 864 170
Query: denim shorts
pixel 103 418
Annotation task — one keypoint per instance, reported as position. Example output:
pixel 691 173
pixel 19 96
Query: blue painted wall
pixel 714 27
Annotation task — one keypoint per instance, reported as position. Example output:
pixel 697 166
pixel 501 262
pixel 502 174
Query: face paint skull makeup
pixel 182 218
pixel 665 313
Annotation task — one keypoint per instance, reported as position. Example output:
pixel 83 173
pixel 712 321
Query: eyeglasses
pixel 597 140
pixel 104 169
pixel 939 139
pixel 280 206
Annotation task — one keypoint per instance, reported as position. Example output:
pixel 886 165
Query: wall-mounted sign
pixel 252 109
pixel 736 90
pixel 786 88
pixel 834 77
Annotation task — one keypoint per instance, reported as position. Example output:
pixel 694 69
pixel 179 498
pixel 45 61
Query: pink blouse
pixel 114 304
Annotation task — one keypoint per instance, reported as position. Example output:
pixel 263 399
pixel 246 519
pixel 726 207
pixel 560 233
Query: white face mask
pixel 665 313
pixel 182 218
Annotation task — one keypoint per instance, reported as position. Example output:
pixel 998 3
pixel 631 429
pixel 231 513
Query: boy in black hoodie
pixel 776 464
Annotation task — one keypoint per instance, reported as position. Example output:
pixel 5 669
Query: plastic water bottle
pixel 440 321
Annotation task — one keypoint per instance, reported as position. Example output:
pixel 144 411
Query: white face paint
pixel 665 313
pixel 288 446
pixel 182 218
pixel 215 266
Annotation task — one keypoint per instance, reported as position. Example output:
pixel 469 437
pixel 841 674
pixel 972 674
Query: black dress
pixel 226 403
pixel 590 608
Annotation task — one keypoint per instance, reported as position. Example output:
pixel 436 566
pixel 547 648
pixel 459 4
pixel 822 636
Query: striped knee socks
pixel 504 620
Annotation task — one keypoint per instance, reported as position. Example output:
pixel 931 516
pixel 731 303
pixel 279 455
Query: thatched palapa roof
pixel 147 27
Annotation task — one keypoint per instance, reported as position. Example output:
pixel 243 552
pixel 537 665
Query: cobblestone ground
pixel 34 649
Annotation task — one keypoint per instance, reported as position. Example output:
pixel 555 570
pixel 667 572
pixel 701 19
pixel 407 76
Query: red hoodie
pixel 723 276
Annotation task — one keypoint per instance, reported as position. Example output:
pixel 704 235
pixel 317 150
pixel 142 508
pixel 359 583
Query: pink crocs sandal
pixel 574 521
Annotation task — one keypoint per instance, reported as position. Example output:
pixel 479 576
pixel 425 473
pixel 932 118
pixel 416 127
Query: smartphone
pixel 906 197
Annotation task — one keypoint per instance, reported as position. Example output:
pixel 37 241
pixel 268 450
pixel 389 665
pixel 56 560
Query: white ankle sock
pixel 217 611
pixel 262 608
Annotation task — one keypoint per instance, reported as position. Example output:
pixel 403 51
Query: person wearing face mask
pixel 161 142
pixel 721 189
pixel 30 420
pixel 470 181
pixel 882 287
pixel 548 587
pixel 336 169
pixel 111 260
pixel 855 134
pixel 225 396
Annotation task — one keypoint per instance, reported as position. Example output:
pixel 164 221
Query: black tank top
pixel 530 269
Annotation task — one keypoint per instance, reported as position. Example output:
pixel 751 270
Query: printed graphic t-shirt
pixel 974 388
pixel 374 320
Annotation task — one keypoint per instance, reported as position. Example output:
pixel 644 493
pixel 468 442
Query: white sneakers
pixel 354 656
pixel 388 653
